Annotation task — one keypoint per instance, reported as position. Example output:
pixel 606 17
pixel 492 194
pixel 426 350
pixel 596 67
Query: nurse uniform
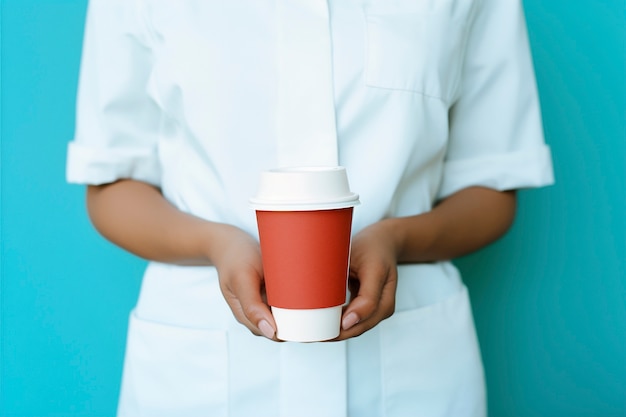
pixel 418 99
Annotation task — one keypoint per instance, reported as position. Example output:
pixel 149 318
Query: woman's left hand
pixel 462 223
pixel 372 280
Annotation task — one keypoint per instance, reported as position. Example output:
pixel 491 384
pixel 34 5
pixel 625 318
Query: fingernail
pixel 349 321
pixel 266 329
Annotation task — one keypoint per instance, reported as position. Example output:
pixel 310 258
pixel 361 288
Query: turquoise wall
pixel 549 298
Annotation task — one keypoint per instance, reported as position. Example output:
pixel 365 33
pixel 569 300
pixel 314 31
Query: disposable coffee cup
pixel 304 217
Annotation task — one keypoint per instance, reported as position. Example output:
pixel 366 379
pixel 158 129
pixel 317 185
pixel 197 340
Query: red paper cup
pixel 305 256
pixel 304 217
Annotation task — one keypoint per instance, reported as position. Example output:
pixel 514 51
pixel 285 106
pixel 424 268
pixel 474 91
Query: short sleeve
pixel 116 120
pixel 496 135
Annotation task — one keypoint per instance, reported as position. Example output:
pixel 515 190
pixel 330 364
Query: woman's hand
pixel 136 216
pixel 237 257
pixel 372 281
pixel 462 223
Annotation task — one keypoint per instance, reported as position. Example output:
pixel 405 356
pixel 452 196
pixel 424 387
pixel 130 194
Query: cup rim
pixel 349 200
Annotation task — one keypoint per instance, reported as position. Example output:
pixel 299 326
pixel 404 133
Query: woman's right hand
pixel 237 257
pixel 135 216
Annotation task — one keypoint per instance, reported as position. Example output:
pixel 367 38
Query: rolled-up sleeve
pixel 117 122
pixel 496 135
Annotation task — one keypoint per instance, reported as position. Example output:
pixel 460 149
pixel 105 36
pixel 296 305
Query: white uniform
pixel 416 98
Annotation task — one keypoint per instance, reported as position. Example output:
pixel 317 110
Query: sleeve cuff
pixel 95 166
pixel 514 170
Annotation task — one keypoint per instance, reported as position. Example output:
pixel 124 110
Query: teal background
pixel 549 298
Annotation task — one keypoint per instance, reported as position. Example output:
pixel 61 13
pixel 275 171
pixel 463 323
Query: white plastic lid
pixel 304 188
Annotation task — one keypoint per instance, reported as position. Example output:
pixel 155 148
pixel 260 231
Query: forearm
pixel 136 217
pixel 460 224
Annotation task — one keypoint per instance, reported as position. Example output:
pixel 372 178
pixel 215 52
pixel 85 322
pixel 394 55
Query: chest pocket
pixel 416 45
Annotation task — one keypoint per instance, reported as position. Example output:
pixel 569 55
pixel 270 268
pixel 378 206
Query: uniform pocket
pixel 415 46
pixel 173 371
pixel 431 362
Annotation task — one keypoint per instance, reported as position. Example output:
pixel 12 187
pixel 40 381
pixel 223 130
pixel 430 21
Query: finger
pixel 237 310
pixel 241 284
pixel 263 328
pixel 248 290
pixel 371 281
pixel 385 309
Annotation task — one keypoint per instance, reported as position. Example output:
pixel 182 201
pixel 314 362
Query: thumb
pixel 370 287
pixel 255 311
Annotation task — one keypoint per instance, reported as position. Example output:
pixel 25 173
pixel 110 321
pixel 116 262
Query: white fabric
pixel 313 379
pixel 305 83
pixel 418 99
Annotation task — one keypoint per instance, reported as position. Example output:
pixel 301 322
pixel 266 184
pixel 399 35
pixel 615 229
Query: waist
pixel 191 296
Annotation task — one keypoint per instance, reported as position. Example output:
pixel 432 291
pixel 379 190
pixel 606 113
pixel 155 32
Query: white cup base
pixel 312 325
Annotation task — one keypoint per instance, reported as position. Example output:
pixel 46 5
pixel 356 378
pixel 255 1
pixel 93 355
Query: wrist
pixel 223 242
pixel 212 240
pixel 414 237
pixel 396 235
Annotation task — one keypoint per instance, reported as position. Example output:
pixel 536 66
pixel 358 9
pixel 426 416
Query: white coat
pixel 418 99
